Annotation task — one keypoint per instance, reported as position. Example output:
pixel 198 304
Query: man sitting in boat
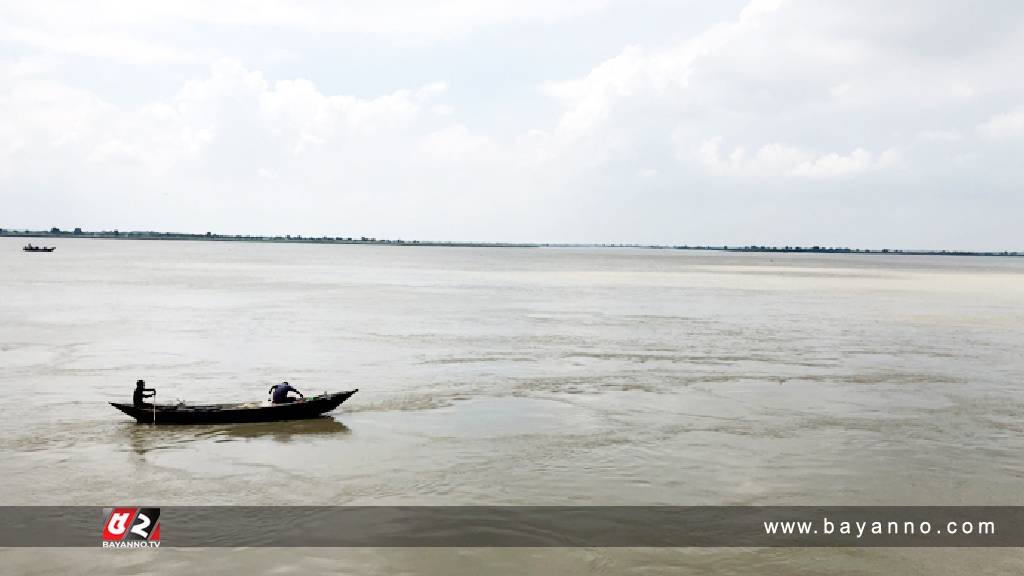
pixel 279 393
pixel 141 392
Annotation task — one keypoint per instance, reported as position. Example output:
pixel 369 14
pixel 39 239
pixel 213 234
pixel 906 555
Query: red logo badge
pixel 131 527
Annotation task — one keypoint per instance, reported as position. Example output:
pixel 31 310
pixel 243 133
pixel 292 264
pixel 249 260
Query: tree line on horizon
pixel 137 234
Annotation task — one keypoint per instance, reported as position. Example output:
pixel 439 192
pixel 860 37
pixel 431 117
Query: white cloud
pixel 781 160
pixel 232 145
pixel 1004 126
pixel 774 103
pixel 837 165
pixel 768 160
pixel 801 73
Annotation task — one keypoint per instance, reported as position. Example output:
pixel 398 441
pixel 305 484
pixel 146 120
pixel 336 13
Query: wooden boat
pixel 31 248
pixel 310 407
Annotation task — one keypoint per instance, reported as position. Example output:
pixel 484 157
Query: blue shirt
pixel 280 392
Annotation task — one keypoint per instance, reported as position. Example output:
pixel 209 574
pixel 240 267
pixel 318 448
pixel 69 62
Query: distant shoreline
pixel 56 233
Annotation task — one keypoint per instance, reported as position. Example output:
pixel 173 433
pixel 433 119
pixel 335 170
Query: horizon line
pixel 300 239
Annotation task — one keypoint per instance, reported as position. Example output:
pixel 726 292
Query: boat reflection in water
pixel 144 439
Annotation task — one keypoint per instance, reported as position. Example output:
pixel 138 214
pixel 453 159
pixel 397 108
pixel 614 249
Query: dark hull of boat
pixel 225 413
pixel 39 249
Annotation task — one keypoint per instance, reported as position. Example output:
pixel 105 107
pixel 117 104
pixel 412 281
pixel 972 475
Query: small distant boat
pixel 226 413
pixel 31 248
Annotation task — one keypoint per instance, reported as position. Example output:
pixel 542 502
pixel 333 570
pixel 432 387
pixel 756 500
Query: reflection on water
pixel 288 430
pixel 144 438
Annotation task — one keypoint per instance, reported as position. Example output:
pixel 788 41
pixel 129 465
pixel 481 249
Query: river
pixel 514 376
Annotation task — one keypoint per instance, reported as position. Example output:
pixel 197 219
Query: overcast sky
pixel 867 124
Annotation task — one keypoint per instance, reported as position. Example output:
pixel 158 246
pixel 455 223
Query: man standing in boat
pixel 141 393
pixel 279 393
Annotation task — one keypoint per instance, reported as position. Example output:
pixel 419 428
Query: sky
pixel 871 124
